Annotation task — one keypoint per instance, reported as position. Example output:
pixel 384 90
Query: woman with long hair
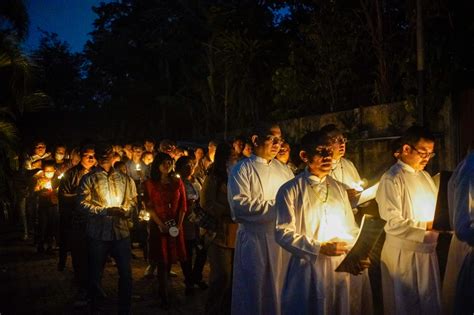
pixel 221 251
pixel 165 198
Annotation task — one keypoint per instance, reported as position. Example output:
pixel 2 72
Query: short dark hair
pixel 149 140
pixel 313 139
pixel 137 145
pixel 147 153
pixel 414 134
pixel 103 151
pixel 330 129
pixel 48 163
pixel 86 147
pixel 262 128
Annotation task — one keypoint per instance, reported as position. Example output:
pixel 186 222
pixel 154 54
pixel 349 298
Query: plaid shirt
pixel 100 190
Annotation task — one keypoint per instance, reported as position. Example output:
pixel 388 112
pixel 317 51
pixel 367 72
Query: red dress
pixel 168 201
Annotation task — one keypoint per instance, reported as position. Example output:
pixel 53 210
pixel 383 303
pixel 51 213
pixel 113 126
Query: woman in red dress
pixel 165 198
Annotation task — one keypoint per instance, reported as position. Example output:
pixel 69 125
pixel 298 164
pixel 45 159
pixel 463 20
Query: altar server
pixel 258 261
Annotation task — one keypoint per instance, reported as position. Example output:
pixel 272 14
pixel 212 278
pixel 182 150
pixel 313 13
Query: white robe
pixel 409 264
pixel 458 250
pixel 309 213
pixel 258 260
pixel 463 219
pixel 344 171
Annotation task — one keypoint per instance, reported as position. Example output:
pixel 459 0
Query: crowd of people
pixel 273 226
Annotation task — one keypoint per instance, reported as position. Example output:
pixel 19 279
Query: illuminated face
pixel 199 153
pixel 284 153
pixel 147 159
pixel 137 154
pixel 320 162
pixel 269 146
pixel 49 171
pixel 212 148
pixel 418 156
pixel 338 145
pixel 60 153
pixel 149 146
pixel 128 150
pixel 238 146
pixel 75 158
pixel 247 151
pixel 118 148
pixel 88 158
pixel 166 167
pixel 40 149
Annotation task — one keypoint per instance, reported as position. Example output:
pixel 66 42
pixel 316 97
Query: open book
pixel 368 194
pixel 371 228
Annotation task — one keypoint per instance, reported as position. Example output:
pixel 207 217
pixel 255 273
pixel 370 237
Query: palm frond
pixel 8 135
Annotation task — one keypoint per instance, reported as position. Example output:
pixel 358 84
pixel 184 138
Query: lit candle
pixel 48 185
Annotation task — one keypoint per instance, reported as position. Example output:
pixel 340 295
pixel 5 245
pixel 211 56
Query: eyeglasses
pixel 339 140
pixel 324 151
pixel 274 139
pixel 423 155
pixel 40 147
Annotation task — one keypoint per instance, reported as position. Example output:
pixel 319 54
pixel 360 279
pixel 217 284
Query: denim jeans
pixel 121 252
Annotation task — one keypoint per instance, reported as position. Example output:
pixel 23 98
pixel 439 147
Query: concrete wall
pixel 371 131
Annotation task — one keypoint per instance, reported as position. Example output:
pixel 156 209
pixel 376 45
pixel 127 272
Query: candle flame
pixel 48 185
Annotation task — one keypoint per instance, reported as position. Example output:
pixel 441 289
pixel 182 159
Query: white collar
pixel 261 160
pixel 313 179
pixel 406 167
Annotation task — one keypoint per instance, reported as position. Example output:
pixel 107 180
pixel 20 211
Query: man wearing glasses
pixel 343 170
pixel 72 223
pixel 258 261
pixel 407 199
pixel 315 223
pixel 106 196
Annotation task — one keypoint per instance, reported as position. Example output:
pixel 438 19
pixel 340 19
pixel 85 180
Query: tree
pixel 58 73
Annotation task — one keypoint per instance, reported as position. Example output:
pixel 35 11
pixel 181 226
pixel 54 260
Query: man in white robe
pixel 407 198
pixel 315 223
pixel 463 218
pixel 258 260
pixel 343 170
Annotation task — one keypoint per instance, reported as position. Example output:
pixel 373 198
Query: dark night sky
pixel 70 19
